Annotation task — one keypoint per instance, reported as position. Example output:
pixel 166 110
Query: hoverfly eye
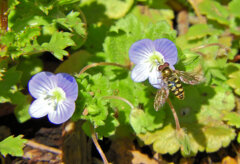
pixel 160 67
pixel 166 64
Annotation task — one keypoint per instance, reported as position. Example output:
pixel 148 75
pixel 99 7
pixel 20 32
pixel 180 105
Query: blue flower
pixel 148 55
pixel 55 96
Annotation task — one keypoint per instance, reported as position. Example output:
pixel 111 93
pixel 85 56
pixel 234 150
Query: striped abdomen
pixel 175 86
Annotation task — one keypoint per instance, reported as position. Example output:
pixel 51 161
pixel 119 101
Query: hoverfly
pixel 172 81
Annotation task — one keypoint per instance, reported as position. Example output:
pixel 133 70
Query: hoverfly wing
pixel 160 98
pixel 189 78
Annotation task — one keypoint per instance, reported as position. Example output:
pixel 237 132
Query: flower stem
pixel 43 147
pixel 209 45
pixel 119 98
pixel 101 64
pixel 95 141
pixel 178 128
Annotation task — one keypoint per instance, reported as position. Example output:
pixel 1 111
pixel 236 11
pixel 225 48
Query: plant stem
pixel 95 141
pixel 43 147
pixel 178 128
pixel 209 45
pixel 4 15
pixel 101 64
pixel 119 98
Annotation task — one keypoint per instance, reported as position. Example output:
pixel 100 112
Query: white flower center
pixel 55 96
pixel 156 58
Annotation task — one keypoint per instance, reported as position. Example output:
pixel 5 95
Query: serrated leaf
pixel 215 11
pixel 59 41
pixel 13 146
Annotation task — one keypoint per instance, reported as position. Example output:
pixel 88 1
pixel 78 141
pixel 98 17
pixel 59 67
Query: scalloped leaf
pixel 201 116
pixel 234 81
pixel 151 15
pixel 233 119
pixel 215 11
pixel 141 122
pixel 198 31
pixel 13 146
pixel 234 8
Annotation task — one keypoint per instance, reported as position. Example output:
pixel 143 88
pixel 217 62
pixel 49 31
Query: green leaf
pixel 201 115
pixel 75 62
pixel 238 137
pixel 59 41
pixel 215 11
pixel 132 30
pixel 111 123
pixel 74 24
pixel 22 103
pixel 10 79
pixel 113 9
pixel 150 15
pixel 141 121
pixel 234 81
pixel 198 31
pixel 29 66
pixel 13 146
pixel 234 8
pixel 233 119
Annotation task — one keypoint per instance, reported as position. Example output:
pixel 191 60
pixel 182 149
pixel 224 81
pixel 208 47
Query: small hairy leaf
pixel 13 146
pixel 59 41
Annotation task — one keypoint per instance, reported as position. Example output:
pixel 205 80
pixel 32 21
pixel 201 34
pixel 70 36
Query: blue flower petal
pixel 41 83
pixel 68 84
pixel 39 108
pixel 62 113
pixel 155 79
pixel 141 50
pixel 140 72
pixel 168 49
